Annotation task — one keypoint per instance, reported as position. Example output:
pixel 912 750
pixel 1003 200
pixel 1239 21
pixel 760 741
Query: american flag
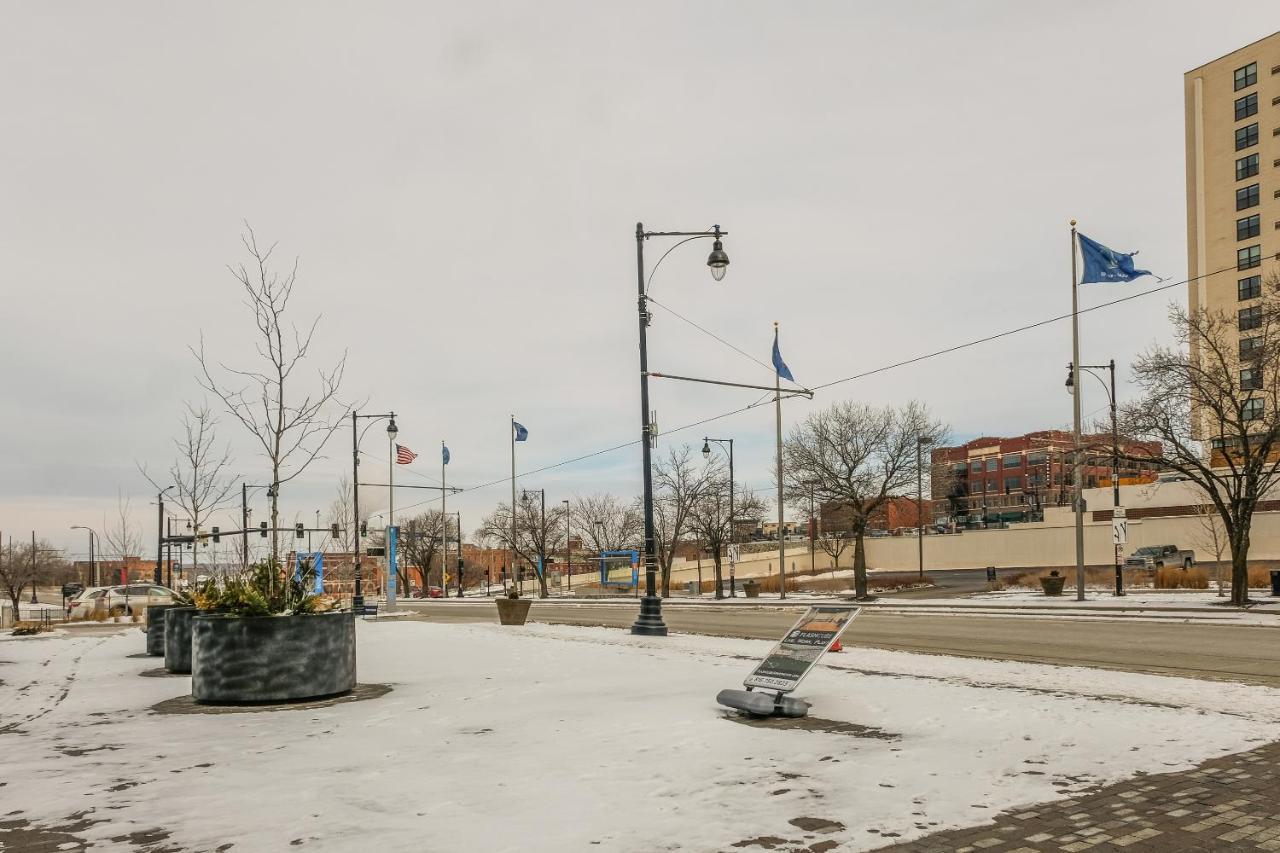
pixel 404 455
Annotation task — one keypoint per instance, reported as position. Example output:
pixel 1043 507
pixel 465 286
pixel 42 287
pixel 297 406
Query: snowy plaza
pixel 562 738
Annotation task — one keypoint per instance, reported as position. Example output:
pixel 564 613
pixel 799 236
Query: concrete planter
pixel 242 660
pixel 155 628
pixel 751 589
pixel 177 638
pixel 1052 585
pixel 513 611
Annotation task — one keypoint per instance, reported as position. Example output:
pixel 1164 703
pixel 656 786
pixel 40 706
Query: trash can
pixel 1275 584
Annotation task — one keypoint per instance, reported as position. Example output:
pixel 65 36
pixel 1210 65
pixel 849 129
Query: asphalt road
pixel 1221 652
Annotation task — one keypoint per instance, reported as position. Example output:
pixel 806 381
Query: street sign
pixel 1119 527
pixel 792 658
pixel 735 553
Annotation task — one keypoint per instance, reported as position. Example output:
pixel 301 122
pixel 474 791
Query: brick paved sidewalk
pixel 1229 803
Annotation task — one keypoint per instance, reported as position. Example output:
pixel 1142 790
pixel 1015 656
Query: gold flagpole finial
pixel 1073 223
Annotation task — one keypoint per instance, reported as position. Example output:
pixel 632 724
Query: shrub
pixel 28 629
pixel 1177 578
pixel 265 590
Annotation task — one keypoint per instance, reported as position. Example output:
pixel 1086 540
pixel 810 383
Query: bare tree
pixel 291 426
pixel 857 456
pixel 833 545
pixel 1210 535
pixel 533 538
pixel 421 538
pixel 606 522
pixel 200 473
pixel 1210 401
pixel 340 513
pixel 678 481
pixel 121 536
pixel 20 568
pixel 709 516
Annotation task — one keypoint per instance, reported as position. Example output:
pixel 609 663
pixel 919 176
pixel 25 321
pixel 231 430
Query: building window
pixel 1013 484
pixel 1012 461
pixel 1250 379
pixel 1252 410
pixel 1247 197
pixel 1246 76
pixel 993 486
pixel 976 467
pixel 1250 318
pixel 1249 288
pixel 1250 226
pixel 1246 167
pixel 1249 257
pixel 991 464
pixel 1038 458
pixel 1246 136
pixel 1036 481
pixel 1247 106
pixel 1250 347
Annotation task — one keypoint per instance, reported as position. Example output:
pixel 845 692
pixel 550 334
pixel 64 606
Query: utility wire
pixel 705 331
pixel 864 374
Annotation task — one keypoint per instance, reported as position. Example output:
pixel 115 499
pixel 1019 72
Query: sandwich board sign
pixel 789 662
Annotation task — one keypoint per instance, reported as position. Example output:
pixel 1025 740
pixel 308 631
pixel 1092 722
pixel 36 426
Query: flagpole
pixel 393 576
pixel 512 564
pixel 444 529
pixel 782 538
pixel 1077 469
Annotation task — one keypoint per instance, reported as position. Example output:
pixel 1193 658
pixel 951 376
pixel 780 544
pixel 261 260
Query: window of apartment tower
pixel 1250 318
pixel 1246 167
pixel 1247 106
pixel 1246 76
pixel 1252 410
pixel 1250 226
pixel 1246 136
pixel 1250 347
pixel 1247 197
pixel 1249 257
pixel 1250 379
pixel 1249 288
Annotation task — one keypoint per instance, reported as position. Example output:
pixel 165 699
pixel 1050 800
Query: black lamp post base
pixel 649 623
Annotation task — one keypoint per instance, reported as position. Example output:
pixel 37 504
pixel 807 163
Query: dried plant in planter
pixel 265 590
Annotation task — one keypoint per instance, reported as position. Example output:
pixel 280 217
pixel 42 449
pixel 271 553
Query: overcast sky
pixel 461 183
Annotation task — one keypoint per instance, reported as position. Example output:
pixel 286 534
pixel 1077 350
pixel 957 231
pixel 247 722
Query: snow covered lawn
pixel 559 738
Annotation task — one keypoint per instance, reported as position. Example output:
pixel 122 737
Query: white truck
pixel 1159 557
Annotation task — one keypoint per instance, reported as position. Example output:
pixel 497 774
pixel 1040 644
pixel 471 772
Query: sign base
pixel 762 704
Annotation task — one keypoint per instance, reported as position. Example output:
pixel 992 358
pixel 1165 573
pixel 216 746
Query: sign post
pixel 789 662
pixel 735 554
pixel 1119 538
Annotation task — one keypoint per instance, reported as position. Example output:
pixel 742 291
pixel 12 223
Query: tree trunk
pixel 542 584
pixel 1240 569
pixel 666 579
pixel 859 566
pixel 719 576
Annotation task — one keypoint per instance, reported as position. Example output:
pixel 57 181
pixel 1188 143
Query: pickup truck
pixel 1159 557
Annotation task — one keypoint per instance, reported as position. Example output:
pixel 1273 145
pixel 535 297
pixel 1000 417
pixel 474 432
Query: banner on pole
pixel 391 566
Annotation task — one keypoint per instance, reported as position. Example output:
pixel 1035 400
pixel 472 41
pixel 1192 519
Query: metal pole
pixel 244 526
pixel 33 570
pixel 357 599
pixel 732 531
pixel 392 569
pixel 649 621
pixel 542 543
pixel 168 548
pixel 919 509
pixel 459 514
pixel 444 527
pixel 568 552
pixel 1077 470
pixel 159 533
pixel 514 575
pixel 782 537
pixel 1115 474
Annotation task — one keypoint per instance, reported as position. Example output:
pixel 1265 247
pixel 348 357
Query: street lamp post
pixel 1115 446
pixel 93 560
pixel 568 551
pixel 159 532
pixel 706 454
pixel 357 600
pixel 921 442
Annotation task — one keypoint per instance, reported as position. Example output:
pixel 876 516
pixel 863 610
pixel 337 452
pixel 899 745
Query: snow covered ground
pixel 562 738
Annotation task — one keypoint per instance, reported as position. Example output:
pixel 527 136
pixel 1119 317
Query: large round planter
pixel 177 638
pixel 245 660
pixel 513 611
pixel 751 589
pixel 1052 584
pixel 155 628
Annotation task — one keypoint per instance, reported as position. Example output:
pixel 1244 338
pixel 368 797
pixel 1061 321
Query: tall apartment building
pixel 1233 187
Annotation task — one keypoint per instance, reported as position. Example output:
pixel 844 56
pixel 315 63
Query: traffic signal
pixel 262 529
pixel 216 538
pixel 333 530
pixel 364 528
pixel 297 530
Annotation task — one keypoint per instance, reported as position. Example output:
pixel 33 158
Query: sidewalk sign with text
pixel 796 653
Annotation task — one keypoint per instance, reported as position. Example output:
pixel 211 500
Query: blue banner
pixel 392 536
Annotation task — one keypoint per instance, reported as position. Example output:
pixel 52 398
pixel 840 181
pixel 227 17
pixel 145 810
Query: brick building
pixel 993 479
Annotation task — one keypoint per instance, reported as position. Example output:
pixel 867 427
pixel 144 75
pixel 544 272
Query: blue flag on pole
pixel 778 364
pixel 1104 266
pixel 522 434
pixel 444 454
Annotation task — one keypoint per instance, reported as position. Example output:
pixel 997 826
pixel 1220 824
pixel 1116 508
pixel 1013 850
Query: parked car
pixel 435 592
pixel 1160 556
pixel 71 590
pixel 118 600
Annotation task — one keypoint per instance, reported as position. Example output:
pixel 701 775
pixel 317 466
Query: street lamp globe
pixel 718 261
pixel 392 430
pixel 706 449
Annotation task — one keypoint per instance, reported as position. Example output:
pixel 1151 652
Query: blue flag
pixel 1103 266
pixel 444 454
pixel 522 434
pixel 778 364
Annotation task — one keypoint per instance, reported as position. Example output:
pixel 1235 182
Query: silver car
pixel 124 600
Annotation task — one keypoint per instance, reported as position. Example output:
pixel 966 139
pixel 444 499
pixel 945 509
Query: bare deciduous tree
pixel 605 522
pixel 19 568
pixel 709 516
pixel 532 537
pixel 291 426
pixel 1210 536
pixel 200 473
pixel 1210 401
pixel 121 536
pixel 833 545
pixel 420 538
pixel 858 456
pixel 678 481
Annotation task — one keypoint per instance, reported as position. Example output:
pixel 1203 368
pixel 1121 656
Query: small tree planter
pixel 513 611
pixel 177 638
pixel 751 589
pixel 155 628
pixel 1052 585
pixel 239 660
